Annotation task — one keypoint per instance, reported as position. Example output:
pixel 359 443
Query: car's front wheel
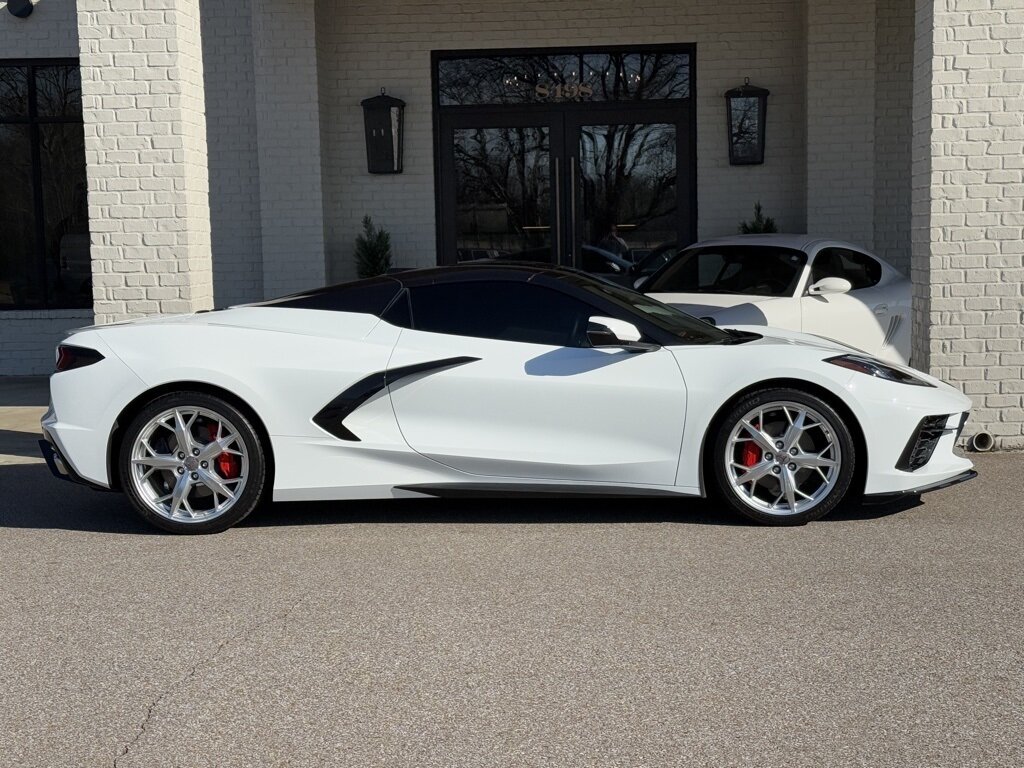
pixel 783 457
pixel 192 463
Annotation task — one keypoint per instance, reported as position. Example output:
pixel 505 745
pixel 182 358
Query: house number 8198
pixel 563 91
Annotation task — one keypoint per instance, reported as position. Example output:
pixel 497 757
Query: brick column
pixel 145 143
pixel 968 205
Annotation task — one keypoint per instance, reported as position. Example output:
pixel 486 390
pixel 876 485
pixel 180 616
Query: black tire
pixel 722 482
pixel 256 475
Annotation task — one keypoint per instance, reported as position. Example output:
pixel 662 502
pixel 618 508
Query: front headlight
pixel 878 369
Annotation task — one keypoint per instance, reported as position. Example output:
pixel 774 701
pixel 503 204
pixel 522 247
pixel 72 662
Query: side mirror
pixel 612 332
pixel 829 285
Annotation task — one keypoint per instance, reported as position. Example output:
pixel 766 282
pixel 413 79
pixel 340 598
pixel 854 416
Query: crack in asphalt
pixel 182 681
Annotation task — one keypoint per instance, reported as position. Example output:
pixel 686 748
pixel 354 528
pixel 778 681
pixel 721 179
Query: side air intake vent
pixel 922 444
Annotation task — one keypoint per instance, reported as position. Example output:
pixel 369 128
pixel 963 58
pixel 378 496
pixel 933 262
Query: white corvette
pixel 825 287
pixel 485 379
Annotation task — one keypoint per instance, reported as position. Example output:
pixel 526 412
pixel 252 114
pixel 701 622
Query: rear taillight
pixel 69 356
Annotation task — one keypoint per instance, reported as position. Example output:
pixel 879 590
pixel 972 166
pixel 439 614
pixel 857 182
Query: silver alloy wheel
pixel 783 458
pixel 189 464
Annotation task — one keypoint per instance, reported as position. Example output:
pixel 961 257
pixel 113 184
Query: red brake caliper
pixel 750 453
pixel 228 466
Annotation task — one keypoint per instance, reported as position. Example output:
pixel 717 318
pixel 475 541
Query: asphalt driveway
pixel 423 633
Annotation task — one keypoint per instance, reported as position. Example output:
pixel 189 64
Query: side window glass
pixel 506 311
pixel 860 269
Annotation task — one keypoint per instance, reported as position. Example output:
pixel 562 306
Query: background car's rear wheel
pixel 192 463
pixel 784 457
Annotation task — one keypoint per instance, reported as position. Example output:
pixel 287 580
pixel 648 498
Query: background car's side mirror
pixel 829 285
pixel 639 283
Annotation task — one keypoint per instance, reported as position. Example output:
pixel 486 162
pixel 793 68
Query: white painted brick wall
pixel 365 46
pixel 968 235
pixel 145 140
pixel 840 119
pixel 28 338
pixel 233 156
pixel 894 61
pixel 288 131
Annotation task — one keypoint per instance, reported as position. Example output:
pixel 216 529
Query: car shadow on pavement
pixel 30 498
pixel 23 444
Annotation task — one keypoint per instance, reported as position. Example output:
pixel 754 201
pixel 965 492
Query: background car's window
pixel 757 270
pixel 860 269
pixel 508 311
pixel 655 260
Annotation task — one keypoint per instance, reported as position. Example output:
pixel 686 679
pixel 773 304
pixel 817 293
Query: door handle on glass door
pixel 556 245
pixel 572 212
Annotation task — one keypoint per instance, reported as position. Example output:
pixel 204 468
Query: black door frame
pixel 564 120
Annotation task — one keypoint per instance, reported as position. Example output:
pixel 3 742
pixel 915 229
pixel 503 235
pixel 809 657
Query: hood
pixel 783 336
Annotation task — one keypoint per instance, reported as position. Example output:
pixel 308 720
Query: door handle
pixel 557 244
pixel 572 208
pixel 881 309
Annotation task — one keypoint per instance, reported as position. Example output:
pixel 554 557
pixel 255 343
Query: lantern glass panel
pixel 745 129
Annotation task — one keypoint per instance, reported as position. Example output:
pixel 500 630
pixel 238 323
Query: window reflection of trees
pixel 629 177
pixel 611 77
pixel 745 127
pixel 503 185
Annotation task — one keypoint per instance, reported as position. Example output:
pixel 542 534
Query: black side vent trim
pixel 332 416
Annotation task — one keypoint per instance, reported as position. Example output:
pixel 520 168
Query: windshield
pixel 687 328
pixel 755 270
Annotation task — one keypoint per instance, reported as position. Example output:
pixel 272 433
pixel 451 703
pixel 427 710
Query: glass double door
pixel 593 189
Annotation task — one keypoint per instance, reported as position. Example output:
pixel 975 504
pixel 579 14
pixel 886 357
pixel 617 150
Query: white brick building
pixel 225 159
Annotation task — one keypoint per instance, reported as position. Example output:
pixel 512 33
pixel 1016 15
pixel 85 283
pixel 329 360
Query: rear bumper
pixel 61 467
pixel 883 498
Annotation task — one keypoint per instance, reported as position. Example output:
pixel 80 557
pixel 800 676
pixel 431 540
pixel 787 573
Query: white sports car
pixel 482 379
pixel 825 287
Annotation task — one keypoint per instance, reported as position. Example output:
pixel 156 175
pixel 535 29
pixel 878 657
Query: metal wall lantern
pixel 20 8
pixel 746 109
pixel 383 117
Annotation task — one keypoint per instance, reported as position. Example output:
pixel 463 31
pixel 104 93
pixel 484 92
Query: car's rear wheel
pixel 783 457
pixel 192 463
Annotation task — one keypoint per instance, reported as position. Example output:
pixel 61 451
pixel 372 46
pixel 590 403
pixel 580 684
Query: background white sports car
pixel 826 287
pixel 485 379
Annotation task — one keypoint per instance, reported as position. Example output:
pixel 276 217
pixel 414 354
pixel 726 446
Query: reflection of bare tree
pixel 611 77
pixel 507 167
pixel 745 126
pixel 629 174
pixel 58 91
pixel 13 92
pixel 638 76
